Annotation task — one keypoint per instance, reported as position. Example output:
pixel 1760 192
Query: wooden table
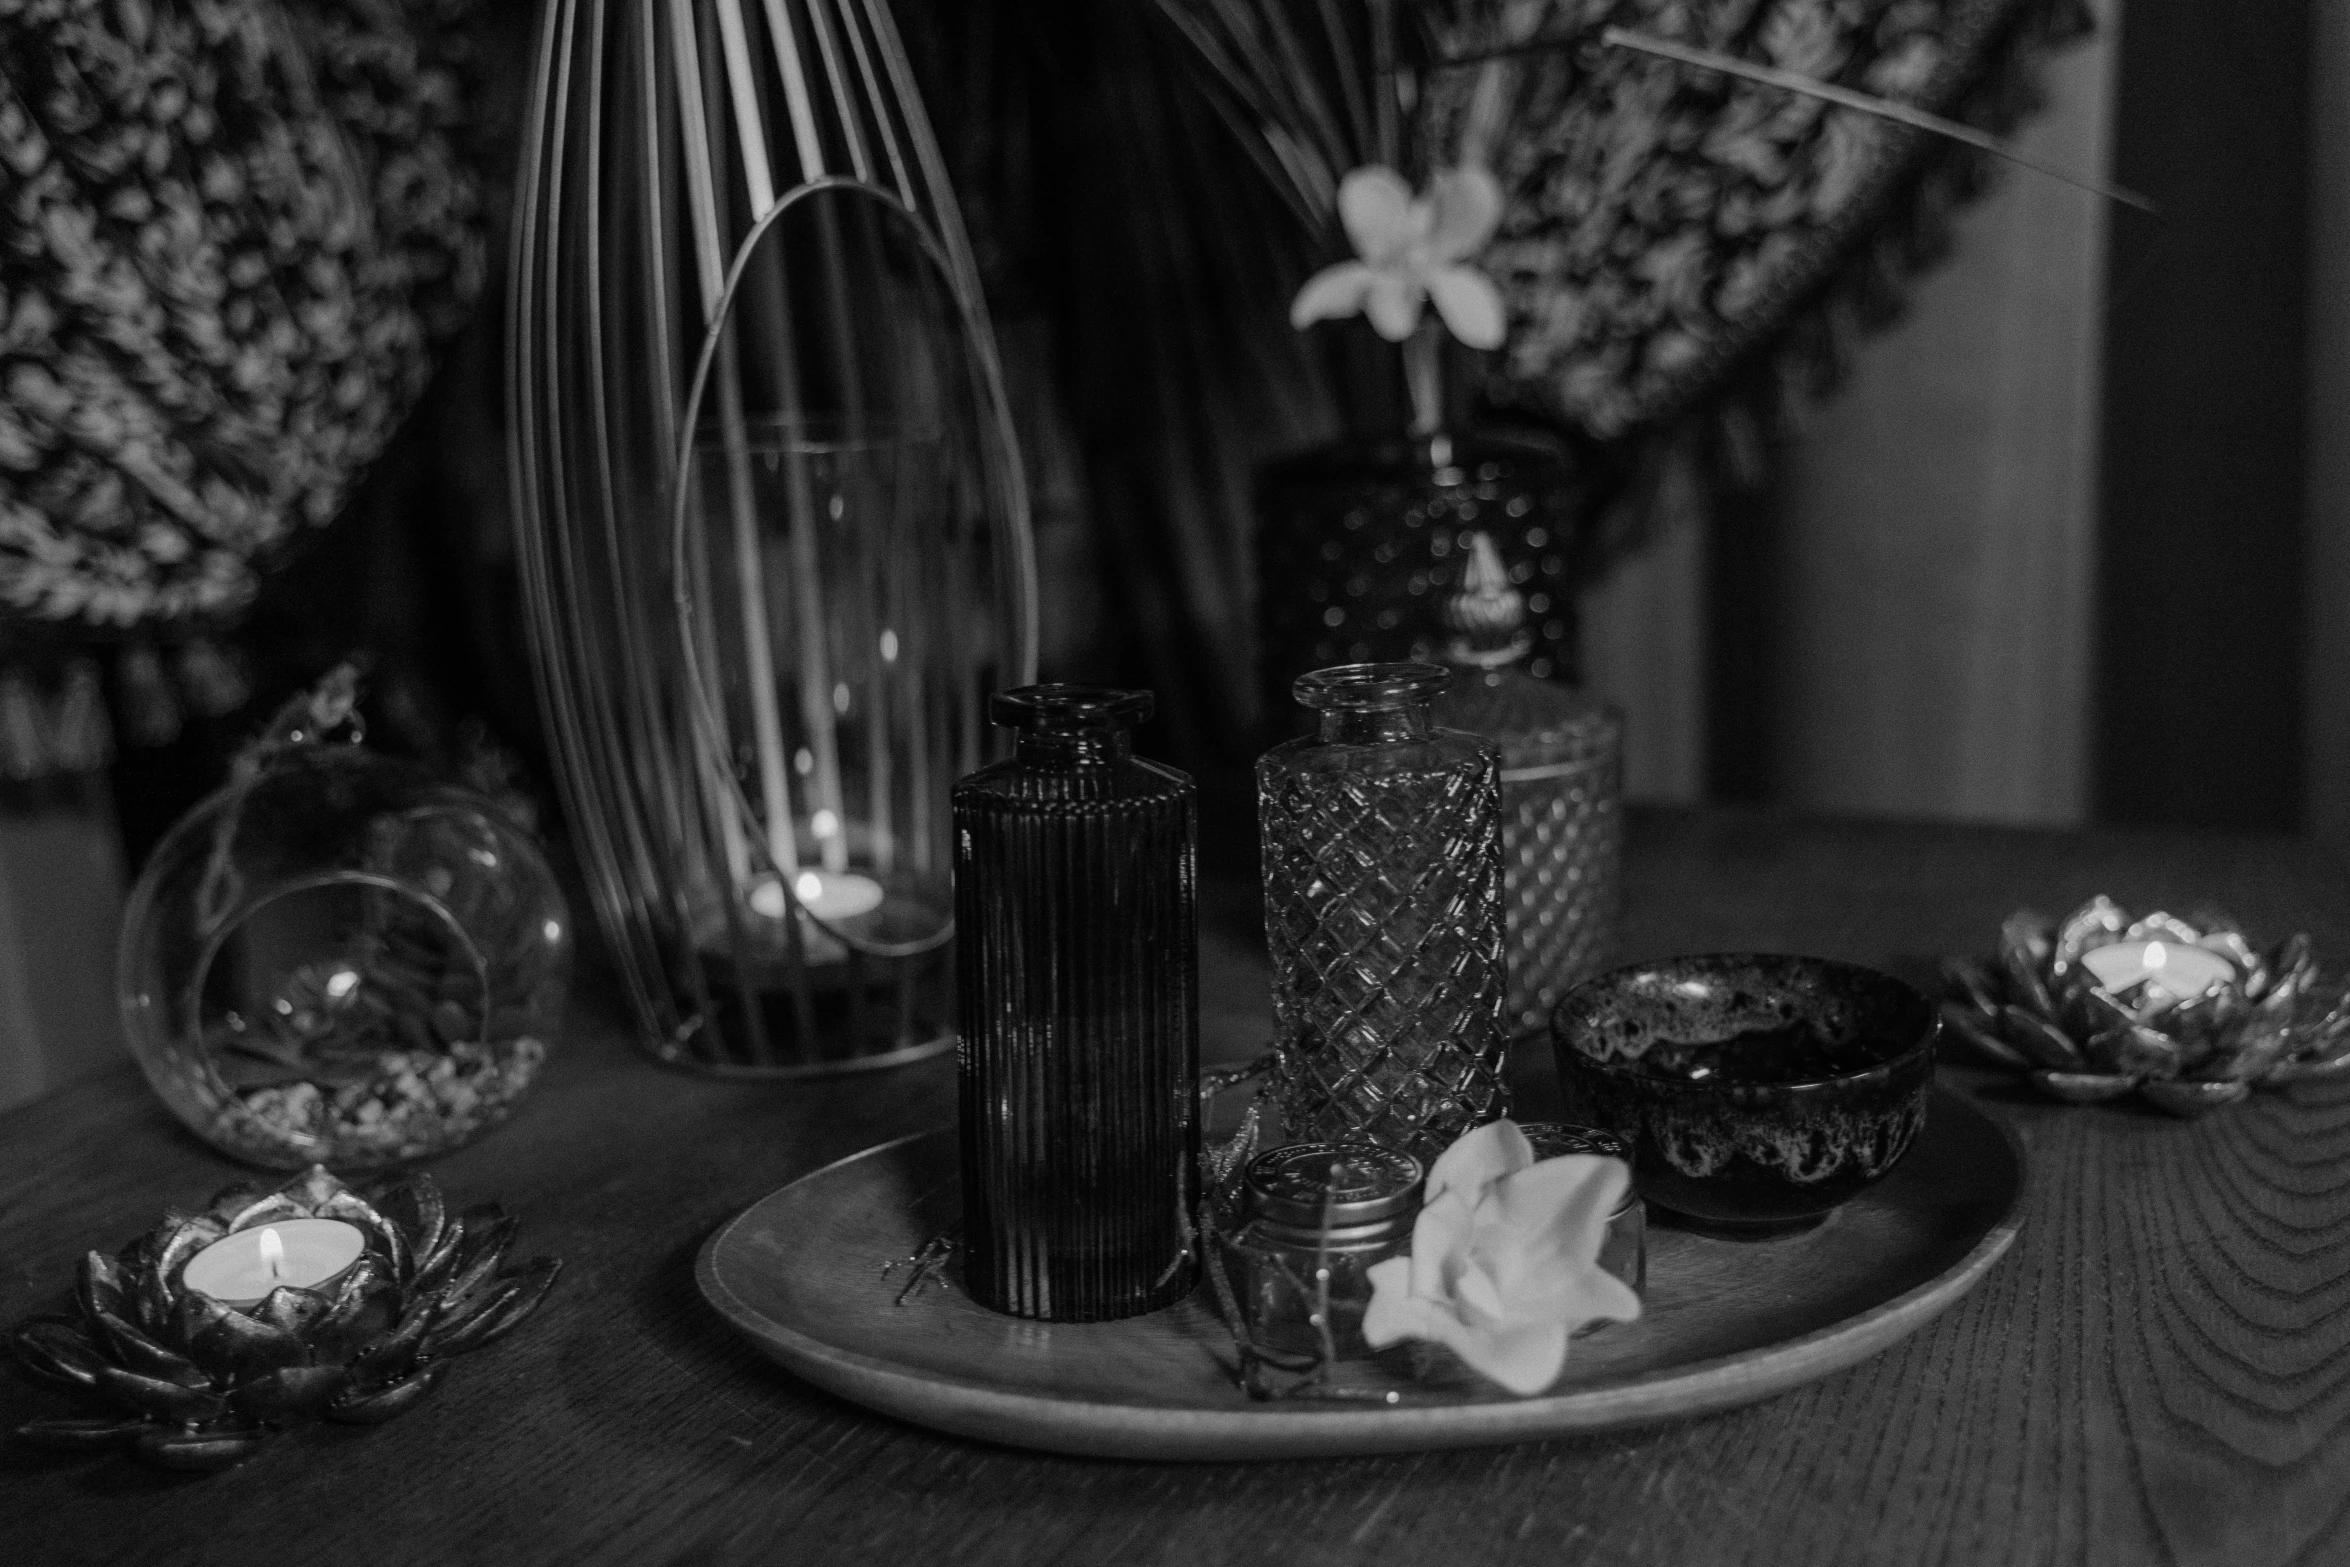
pixel 2159 1370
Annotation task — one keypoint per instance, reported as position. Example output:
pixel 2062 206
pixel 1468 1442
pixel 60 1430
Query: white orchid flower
pixel 1413 249
pixel 1505 1259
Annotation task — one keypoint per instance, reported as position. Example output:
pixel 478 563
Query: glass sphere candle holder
pixel 338 959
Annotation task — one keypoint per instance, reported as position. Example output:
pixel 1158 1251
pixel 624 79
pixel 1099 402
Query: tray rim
pixel 1077 1427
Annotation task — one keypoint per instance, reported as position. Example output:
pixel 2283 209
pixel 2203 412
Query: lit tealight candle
pixel 2182 972
pixel 240 1269
pixel 829 895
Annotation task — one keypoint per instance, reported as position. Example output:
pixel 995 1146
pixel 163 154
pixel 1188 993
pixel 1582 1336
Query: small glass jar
pixel 1625 1251
pixel 1316 1218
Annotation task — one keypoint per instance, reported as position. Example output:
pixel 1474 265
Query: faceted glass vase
pixel 1383 913
pixel 341 961
pixel 1075 896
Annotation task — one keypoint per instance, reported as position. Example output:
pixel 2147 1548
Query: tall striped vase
pixel 1075 892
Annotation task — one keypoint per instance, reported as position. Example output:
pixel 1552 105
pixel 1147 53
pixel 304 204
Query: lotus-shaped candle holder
pixel 2185 1013
pixel 192 1383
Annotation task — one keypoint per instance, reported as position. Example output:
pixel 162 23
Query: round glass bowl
pixel 339 960
pixel 1754 1090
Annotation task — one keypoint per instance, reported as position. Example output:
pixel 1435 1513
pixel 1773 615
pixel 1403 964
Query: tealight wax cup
pixel 244 1266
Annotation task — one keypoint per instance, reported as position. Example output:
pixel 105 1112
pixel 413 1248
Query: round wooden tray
pixel 1726 1322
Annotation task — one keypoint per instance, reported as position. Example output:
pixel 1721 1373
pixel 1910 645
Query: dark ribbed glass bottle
pixel 1075 912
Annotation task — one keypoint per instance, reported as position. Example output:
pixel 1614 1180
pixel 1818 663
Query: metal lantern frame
pixel 664 132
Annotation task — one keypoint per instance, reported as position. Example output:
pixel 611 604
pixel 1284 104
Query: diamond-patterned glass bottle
pixel 1562 770
pixel 1076 936
pixel 1382 860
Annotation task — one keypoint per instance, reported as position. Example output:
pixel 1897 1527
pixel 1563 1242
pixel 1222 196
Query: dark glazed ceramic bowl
pixel 1754 1089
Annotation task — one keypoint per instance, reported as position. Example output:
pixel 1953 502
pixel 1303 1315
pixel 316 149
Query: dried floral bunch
pixel 230 229
pixel 197 1384
pixel 2041 1009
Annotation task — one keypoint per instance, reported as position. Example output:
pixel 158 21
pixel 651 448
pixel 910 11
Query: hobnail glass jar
pixel 339 960
pixel 1076 895
pixel 1358 539
pixel 1382 867
pixel 1562 770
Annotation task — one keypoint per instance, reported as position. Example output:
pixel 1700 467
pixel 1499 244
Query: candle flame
pixel 810 886
pixel 273 1254
pixel 2155 956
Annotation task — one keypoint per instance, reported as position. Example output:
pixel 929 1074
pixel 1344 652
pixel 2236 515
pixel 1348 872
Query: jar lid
pixel 1361 1183
pixel 1550 1139
pixel 1065 709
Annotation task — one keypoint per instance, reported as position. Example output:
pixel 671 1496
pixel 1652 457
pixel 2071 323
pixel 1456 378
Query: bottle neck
pixel 1375 725
pixel 1075 748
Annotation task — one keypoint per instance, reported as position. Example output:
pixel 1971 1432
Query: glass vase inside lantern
pixel 832 595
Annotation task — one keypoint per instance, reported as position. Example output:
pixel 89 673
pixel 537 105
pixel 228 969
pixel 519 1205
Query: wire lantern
pixel 773 528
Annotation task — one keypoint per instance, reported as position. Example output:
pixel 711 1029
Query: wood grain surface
pixel 2156 1372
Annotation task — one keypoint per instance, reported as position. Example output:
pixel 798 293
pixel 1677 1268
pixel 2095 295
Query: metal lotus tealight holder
pixel 2188 1015
pixel 773 526
pixel 196 1377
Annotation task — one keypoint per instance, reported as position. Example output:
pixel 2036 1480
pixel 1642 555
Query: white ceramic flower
pixel 1505 1259
pixel 1413 249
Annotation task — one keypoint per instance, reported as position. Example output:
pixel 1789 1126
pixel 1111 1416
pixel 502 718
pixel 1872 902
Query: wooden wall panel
pixel 1644 641
pixel 1930 570
pixel 2201 570
pixel 2326 763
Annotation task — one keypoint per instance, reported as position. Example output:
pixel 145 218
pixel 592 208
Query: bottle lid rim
pixel 1366 686
pixel 1057 708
